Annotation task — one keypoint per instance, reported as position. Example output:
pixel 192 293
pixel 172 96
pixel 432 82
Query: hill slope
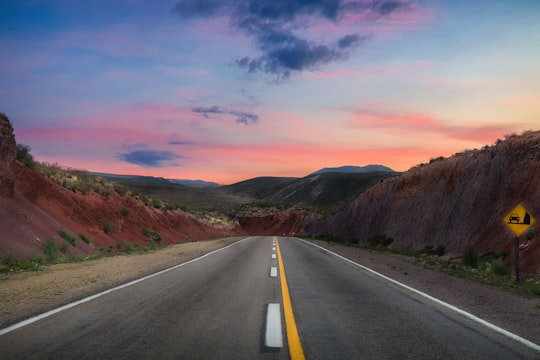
pixel 353 169
pixel 330 189
pixel 454 202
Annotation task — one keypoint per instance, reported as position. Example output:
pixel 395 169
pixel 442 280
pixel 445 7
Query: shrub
pixel 440 250
pixel 125 211
pixel 37 259
pixel 51 250
pixel 9 259
pixel 380 239
pixel 151 235
pixel 470 257
pixel 108 226
pixel 64 247
pixel 24 156
pixel 128 247
pixel 27 265
pixel 499 267
pixel 85 238
pixel 120 189
pixel 66 235
pixel 157 204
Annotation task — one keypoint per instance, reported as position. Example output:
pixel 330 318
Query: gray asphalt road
pixel 343 312
pixel 215 308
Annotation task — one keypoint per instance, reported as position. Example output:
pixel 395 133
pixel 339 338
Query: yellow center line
pixel 295 347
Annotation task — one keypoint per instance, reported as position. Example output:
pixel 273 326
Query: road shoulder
pixel 26 294
pixel 511 312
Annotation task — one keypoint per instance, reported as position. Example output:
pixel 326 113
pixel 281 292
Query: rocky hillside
pixel 454 202
pixel 7 157
pixel 34 209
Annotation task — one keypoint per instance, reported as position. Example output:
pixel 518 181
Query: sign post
pixel 518 220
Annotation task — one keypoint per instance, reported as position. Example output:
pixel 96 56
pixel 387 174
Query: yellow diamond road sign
pixel 519 220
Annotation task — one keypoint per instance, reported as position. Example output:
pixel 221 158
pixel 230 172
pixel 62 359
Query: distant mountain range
pixel 325 187
pixel 185 182
pixel 209 184
pixel 354 169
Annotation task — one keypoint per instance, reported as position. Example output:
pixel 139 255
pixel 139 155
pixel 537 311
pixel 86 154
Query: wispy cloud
pixel 279 27
pixel 179 142
pixel 148 158
pixel 241 116
pixel 418 123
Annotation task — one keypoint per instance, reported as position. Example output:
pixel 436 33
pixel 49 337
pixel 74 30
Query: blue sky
pixel 228 90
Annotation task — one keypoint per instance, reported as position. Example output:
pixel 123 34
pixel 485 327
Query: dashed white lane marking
pixel 274 256
pixel 273 336
pixel 95 296
pixel 273 271
pixel 274 248
pixel 470 316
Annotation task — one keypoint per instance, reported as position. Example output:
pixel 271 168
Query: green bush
pixel 27 265
pixel 64 247
pixel 125 211
pixel 8 259
pixel 499 267
pixel 128 247
pixel 151 235
pixel 470 257
pixel 381 240
pixel 51 250
pixel 85 238
pixel 24 156
pixel 108 226
pixel 440 250
pixel 66 235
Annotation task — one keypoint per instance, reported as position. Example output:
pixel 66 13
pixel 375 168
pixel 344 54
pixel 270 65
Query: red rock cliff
pixel 453 202
pixel 8 153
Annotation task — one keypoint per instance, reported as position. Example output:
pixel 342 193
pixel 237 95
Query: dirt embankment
pixel 40 208
pixel 453 202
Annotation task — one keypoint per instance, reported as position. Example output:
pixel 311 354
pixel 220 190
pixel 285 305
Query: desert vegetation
pixel 491 269
pixel 66 235
pixel 82 181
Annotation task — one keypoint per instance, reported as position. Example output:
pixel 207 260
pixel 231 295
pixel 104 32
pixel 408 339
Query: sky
pixel 228 90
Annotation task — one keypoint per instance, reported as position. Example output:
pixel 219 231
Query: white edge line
pixel 273 335
pixel 440 302
pixel 95 296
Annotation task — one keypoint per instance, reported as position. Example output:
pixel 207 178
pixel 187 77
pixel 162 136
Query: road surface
pixel 216 308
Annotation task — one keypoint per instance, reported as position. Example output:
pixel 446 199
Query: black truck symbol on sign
pixel 514 219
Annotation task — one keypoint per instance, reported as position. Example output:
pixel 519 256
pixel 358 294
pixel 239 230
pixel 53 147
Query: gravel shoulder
pixel 26 294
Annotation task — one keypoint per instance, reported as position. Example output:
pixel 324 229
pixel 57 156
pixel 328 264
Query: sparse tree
pixel 24 155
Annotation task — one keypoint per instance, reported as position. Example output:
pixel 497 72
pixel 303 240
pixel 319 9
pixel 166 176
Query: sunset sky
pixel 226 90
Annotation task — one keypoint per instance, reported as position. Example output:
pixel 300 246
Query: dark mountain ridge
pixel 354 169
pixel 328 189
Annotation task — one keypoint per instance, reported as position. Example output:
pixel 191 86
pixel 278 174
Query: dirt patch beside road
pixel 25 294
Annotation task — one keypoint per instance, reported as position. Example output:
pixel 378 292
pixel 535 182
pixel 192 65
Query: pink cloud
pixel 407 122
